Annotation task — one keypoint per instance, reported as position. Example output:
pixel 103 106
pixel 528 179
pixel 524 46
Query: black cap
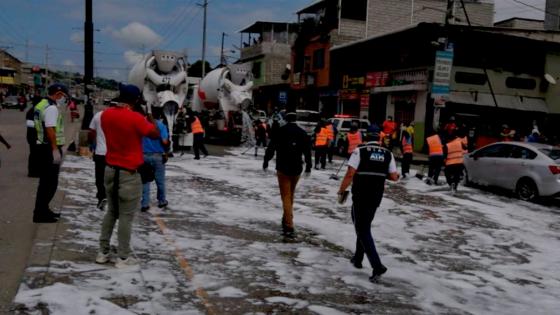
pixel 57 87
pixel 128 94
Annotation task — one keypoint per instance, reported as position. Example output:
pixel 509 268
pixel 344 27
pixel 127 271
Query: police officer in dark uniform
pixel 368 167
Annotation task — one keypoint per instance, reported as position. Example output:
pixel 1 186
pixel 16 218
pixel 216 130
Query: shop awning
pixel 523 103
pixel 7 80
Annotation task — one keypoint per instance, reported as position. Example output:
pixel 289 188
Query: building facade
pixel 395 77
pixel 330 23
pixel 267 45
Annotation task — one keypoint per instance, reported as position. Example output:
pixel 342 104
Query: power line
pixel 536 8
pixel 172 26
pixel 186 27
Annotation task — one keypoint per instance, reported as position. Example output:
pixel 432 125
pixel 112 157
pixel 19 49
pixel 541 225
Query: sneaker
pixel 163 204
pixel 377 272
pixel 144 209
pixel 102 258
pixel 355 263
pixel 127 262
pixel 317 167
pixel 101 204
pixel 197 158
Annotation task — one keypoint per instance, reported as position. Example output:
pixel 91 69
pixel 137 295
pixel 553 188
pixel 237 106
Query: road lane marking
pixel 184 265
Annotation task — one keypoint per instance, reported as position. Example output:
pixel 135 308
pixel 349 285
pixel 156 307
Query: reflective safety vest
pixel 354 139
pixel 406 145
pixel 196 126
pixel 465 143
pixel 454 152
pixel 434 145
pixel 330 132
pixel 39 120
pixel 321 137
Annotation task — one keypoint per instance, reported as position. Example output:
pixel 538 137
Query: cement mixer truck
pixel 162 77
pixel 222 98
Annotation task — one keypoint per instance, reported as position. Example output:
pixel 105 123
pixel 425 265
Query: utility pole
pixel 47 66
pixel 222 56
pixel 205 8
pixel 449 12
pixel 88 64
pixel 26 50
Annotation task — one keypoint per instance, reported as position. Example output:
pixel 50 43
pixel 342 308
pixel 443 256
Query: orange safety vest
pixel 465 143
pixel 321 137
pixel 196 126
pixel 354 139
pixel 330 133
pixel 407 146
pixel 434 145
pixel 454 152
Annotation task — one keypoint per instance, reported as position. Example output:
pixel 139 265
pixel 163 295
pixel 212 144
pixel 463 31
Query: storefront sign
pixel 349 82
pixel 282 98
pixel 442 77
pixel 374 79
pixel 364 101
pixel 349 94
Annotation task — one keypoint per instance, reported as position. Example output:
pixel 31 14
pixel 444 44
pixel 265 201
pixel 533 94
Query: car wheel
pixel 527 190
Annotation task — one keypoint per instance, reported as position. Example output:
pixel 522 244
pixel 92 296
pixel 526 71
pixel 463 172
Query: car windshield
pixel 307 116
pixel 364 125
pixel 552 153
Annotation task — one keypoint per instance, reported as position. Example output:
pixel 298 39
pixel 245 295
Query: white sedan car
pixel 528 169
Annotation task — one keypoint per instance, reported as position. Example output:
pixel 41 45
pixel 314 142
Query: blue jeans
pixel 156 161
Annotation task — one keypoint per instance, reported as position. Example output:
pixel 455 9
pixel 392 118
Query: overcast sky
pixel 125 28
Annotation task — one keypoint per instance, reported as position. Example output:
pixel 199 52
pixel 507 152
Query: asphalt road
pixel 17 197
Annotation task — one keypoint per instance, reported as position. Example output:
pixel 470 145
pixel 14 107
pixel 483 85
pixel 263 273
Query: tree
pixel 195 69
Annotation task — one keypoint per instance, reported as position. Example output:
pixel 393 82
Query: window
pixel 307 116
pixel 498 150
pixel 470 78
pixel 257 70
pixel 346 124
pixel 354 10
pixel 551 153
pixel 521 83
pixel 518 152
pixel 319 59
pixel 364 125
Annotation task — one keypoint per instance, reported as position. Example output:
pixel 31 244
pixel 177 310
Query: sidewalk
pixel 19 236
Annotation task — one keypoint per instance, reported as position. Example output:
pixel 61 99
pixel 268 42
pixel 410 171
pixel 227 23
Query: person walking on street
pixel 435 158
pixel 124 130
pixel 330 139
pixel 32 161
pixel 407 153
pixel 49 123
pixel 8 146
pixel 389 129
pixel 97 136
pixel 354 139
pixel 198 137
pixel 321 145
pixel 289 143
pixel 453 152
pixel 260 135
pixel 154 155
pixel 368 167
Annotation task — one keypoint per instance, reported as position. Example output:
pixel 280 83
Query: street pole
pixel 88 64
pixel 205 7
pixel 222 57
pixel 449 12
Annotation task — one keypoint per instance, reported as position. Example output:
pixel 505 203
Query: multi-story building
pixel 326 24
pixel 495 76
pixel 10 69
pixel 268 45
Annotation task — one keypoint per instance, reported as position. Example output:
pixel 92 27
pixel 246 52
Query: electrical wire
pixel 536 8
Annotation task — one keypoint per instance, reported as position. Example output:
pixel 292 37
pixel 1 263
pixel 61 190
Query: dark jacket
pixel 290 143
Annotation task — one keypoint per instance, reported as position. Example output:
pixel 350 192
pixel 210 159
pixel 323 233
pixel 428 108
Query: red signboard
pixel 374 79
pixel 364 101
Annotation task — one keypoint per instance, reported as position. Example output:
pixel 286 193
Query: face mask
pixel 61 101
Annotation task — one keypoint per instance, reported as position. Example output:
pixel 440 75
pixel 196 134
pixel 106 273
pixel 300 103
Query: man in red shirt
pixel 124 130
